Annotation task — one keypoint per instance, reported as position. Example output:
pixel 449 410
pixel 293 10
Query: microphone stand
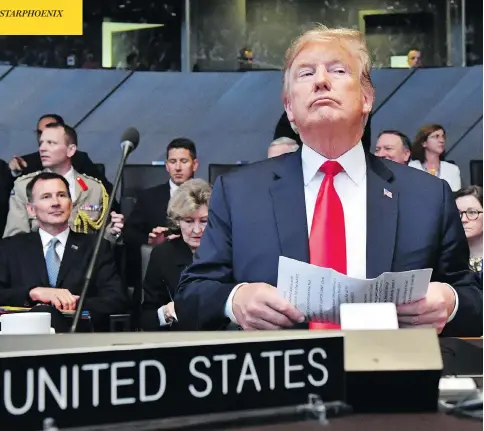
pixel 127 148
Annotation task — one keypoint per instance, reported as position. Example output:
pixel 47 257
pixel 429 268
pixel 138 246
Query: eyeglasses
pixel 470 214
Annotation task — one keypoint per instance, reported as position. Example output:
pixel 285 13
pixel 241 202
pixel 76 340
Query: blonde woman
pixel 188 213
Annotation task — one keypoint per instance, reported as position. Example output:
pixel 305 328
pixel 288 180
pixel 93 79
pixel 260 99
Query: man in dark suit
pixel 29 163
pixel 147 223
pixel 48 266
pixel 330 204
pixel 6 184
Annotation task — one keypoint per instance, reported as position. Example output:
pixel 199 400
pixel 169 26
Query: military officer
pixel 57 145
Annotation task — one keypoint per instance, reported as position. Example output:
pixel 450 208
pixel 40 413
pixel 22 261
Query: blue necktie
pixel 52 262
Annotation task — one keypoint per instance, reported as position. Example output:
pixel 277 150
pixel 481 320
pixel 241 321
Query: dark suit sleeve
pixel 155 288
pixel 33 161
pixel 453 268
pixel 137 227
pixel 206 284
pixel 110 297
pixel 15 296
pixel 6 185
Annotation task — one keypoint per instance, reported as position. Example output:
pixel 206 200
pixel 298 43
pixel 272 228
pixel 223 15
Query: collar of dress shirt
pixel 45 237
pixel 173 186
pixel 353 162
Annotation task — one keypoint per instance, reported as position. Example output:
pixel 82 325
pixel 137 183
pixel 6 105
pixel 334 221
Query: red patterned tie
pixel 327 241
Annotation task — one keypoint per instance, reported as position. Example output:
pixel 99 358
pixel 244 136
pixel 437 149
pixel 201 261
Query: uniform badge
pixel 82 183
pixel 89 207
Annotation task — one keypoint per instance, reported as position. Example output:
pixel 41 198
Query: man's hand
pixel 61 299
pixel 157 236
pixel 259 306
pixel 116 224
pixel 433 310
pixel 169 312
pixel 17 164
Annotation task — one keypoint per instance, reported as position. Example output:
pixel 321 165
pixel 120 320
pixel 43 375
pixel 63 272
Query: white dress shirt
pixel 351 186
pixel 61 244
pixel 173 188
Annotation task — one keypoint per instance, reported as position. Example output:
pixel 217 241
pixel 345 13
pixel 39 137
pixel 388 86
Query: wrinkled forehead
pixel 51 186
pixel 390 139
pixel 324 50
pixel 54 134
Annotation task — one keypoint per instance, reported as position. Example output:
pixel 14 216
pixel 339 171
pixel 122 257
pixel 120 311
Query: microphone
pixel 130 139
pixel 129 142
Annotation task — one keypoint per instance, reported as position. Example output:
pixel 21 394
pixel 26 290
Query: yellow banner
pixel 41 17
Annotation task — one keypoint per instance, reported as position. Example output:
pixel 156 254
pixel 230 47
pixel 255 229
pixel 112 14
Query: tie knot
pixel 53 242
pixel 331 168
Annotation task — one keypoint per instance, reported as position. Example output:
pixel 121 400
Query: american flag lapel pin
pixel 74 247
pixel 387 193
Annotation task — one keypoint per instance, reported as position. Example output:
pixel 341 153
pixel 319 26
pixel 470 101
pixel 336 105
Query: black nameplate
pixel 113 386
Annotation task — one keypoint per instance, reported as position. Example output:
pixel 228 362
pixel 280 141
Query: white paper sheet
pixel 318 292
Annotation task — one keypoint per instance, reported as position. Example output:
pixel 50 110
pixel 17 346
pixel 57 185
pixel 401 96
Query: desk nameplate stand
pixel 96 381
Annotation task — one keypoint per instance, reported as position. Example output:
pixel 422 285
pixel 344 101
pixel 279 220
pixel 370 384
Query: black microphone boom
pixel 129 142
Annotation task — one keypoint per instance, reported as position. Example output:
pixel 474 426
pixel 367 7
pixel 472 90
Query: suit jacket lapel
pixel 382 217
pixel 287 193
pixel 37 259
pixel 71 255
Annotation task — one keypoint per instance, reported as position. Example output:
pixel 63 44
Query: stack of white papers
pixel 318 292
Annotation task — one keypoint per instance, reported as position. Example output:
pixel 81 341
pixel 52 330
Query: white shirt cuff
pixel 228 305
pixel 15 174
pixel 452 315
pixel 161 316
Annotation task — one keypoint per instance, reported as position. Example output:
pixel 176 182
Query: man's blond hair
pixel 353 40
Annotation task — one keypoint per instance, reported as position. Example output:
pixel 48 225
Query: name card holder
pixel 392 370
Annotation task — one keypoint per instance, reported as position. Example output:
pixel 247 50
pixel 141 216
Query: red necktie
pixel 327 241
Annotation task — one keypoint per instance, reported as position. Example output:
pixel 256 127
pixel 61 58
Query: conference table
pixel 374 422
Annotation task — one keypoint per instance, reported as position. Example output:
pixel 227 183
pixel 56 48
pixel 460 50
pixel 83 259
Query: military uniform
pixel 88 208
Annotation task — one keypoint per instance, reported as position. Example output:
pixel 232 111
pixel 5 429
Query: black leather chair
pixel 476 172
pixel 140 177
pixel 216 169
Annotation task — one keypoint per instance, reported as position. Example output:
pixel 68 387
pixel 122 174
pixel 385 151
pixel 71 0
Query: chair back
pixel 140 177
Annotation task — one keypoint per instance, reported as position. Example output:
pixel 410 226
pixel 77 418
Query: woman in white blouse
pixel 428 150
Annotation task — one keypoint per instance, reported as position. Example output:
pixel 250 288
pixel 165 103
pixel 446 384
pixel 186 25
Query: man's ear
pixel 195 165
pixel 31 210
pixel 71 150
pixel 288 109
pixel 368 99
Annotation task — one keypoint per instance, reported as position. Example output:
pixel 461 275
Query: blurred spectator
pixel 148 223
pixel 393 145
pixel 428 152
pixel 469 203
pixel 281 146
pixel 414 58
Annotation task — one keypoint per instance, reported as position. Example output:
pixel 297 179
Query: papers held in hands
pixel 318 292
